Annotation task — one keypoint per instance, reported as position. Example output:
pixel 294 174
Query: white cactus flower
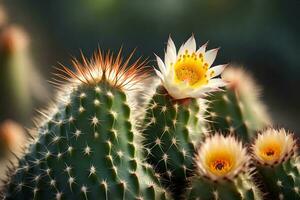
pixel 188 72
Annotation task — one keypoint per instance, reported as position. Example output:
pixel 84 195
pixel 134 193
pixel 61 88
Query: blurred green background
pixel 260 35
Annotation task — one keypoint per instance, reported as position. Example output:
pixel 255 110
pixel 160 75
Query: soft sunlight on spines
pixel 237 109
pixel 223 171
pixel 87 145
pixel 277 163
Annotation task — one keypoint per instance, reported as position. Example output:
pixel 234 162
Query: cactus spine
pixel 88 147
pixel 237 108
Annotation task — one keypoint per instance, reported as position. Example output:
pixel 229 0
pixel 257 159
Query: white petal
pixel 210 56
pixel 216 83
pixel 179 94
pixel 159 74
pixel 171 46
pixel 201 92
pixel 202 48
pixel 216 69
pixel 170 55
pixel 189 45
pixel 181 50
pixel 161 65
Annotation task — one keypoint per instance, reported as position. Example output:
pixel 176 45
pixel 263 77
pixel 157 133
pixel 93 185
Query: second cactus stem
pixel 172 128
pixel 237 109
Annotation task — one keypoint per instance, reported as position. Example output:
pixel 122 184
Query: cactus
pixel 278 165
pixel 237 108
pixel 88 146
pixel 174 121
pixel 241 188
pixel 172 129
pixel 223 172
pixel 19 80
pixel 13 140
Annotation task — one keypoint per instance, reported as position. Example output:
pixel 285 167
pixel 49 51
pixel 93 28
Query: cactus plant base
pixel 241 187
pixel 86 150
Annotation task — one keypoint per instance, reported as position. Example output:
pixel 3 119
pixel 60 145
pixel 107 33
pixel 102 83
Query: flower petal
pixel 189 45
pixel 159 74
pixel 202 48
pixel 170 54
pixel 215 71
pixel 171 46
pixel 210 56
pixel 161 65
pixel 201 92
pixel 216 83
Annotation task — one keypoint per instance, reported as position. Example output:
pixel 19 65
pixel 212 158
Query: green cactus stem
pixel 278 164
pixel 223 171
pixel 19 80
pixel 171 131
pixel 237 108
pixel 281 181
pixel 242 188
pixel 88 147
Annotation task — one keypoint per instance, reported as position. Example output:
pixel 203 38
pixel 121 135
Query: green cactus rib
pixel 281 181
pixel 229 112
pixel 172 129
pixel 241 188
pixel 87 150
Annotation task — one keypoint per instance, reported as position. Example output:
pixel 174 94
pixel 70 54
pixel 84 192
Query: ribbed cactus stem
pixel 172 129
pixel 278 164
pixel 88 146
pixel 281 181
pixel 237 109
pixel 241 188
pixel 223 171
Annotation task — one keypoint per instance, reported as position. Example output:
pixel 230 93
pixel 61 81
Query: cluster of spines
pixel 171 131
pixel 95 146
pixel 281 181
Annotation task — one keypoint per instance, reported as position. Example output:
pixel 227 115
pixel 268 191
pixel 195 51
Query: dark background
pixel 260 35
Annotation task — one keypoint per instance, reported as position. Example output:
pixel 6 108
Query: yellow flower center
pixel 191 69
pixel 220 163
pixel 270 151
